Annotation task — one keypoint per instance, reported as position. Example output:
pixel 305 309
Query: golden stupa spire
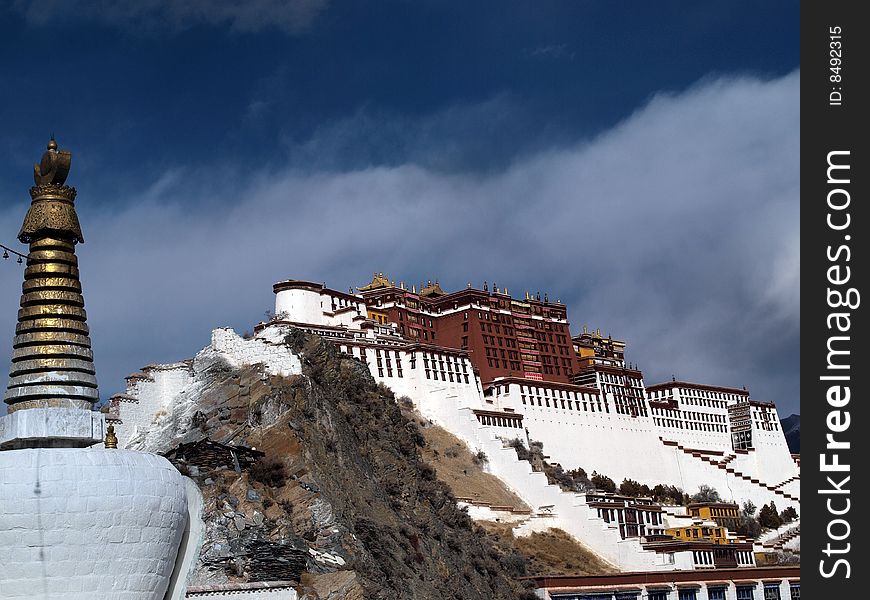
pixel 52 363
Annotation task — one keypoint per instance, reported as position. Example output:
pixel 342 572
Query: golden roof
pixel 432 290
pixel 378 281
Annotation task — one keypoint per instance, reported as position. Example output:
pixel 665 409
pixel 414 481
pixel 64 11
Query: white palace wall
pixel 625 447
pixel 318 306
pixel 151 393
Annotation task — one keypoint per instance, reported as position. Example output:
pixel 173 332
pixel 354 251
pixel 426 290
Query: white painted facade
pixel 580 427
pixel 306 302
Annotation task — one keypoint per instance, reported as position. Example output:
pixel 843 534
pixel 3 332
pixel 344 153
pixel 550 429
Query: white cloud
pixel 291 16
pixel 677 230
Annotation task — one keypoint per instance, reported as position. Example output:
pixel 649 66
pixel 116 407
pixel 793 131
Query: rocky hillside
pixel 335 493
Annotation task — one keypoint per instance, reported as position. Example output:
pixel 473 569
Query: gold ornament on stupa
pixel 52 363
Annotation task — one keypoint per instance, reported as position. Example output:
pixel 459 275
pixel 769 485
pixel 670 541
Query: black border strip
pixel 834 228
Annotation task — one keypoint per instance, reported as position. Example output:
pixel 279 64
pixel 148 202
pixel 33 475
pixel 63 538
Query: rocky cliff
pixel 319 478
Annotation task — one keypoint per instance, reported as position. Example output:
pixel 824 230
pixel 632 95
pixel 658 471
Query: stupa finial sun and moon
pixel 51 458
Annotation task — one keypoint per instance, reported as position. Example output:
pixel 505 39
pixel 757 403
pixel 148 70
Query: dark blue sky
pixel 153 94
pixel 194 109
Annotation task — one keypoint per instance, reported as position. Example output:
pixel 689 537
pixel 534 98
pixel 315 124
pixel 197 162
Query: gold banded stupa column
pixel 52 363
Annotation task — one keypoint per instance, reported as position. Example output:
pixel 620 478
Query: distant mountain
pixel 791 427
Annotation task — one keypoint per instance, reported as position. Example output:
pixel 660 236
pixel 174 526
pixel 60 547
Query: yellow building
pixel 724 514
pixel 706 531
pixel 380 317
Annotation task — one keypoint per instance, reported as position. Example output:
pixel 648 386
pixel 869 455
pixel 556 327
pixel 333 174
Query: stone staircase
pixel 727 460
pixel 778 542
pixel 711 457
pixel 787 481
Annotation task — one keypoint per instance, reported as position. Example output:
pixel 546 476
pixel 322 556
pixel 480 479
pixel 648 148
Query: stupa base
pixel 51 428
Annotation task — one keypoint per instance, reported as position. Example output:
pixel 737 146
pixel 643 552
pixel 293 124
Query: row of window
pixel 556 393
pixel 452 362
pixel 616 515
pixel 506 342
pixel 714 592
pixel 500 421
pixel 560 403
pixel 629 406
pixel 446 376
pixel 690 425
pixel 697 397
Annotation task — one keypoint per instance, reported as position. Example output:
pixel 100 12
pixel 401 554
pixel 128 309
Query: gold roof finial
pixel 54 166
pixel 111 439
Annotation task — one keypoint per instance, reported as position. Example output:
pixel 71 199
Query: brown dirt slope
pixel 456 466
pixel 552 552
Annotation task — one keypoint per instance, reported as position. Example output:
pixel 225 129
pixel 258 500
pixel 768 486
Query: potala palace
pixel 490 368
pixel 89 507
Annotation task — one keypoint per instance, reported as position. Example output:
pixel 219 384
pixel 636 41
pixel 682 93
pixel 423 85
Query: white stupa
pixel 79 520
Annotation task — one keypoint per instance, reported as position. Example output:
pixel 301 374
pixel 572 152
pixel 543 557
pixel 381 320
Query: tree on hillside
pixel 518 445
pixel 788 515
pixel 668 494
pixel 580 478
pixel 768 516
pixel 706 493
pixel 749 526
pixel 603 482
pixel 572 481
pixel 630 487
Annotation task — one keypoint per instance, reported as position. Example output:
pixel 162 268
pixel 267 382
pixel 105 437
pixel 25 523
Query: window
pixel 716 593
pixel 771 591
pixel 687 594
pixel 658 595
pixel 795 591
pixel 745 592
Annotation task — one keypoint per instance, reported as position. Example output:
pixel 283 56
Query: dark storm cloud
pixel 676 230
